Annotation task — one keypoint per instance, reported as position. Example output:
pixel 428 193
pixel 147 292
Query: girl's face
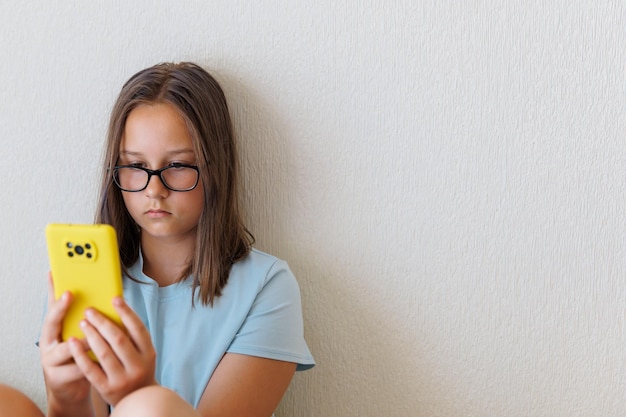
pixel 156 136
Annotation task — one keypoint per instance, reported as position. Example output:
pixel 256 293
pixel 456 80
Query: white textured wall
pixel 446 179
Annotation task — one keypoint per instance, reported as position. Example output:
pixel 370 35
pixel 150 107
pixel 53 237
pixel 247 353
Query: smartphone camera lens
pixel 79 250
pixel 87 246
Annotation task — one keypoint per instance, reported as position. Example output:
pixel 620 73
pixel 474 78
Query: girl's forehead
pixel 156 128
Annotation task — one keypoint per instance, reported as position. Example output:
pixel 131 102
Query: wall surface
pixel 446 179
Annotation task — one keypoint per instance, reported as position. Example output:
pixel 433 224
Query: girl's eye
pixel 176 165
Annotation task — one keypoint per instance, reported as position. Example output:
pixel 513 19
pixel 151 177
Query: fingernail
pixel 83 323
pixel 118 301
pixel 89 313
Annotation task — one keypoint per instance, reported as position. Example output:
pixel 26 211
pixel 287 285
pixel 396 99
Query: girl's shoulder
pixel 258 258
pixel 259 265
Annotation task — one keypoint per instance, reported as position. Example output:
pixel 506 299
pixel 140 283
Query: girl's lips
pixel 155 214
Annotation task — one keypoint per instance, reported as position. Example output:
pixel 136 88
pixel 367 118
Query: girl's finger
pixel 88 368
pixel 60 353
pixel 131 347
pixel 57 356
pixel 98 334
pixel 134 326
pixel 53 321
pixel 68 373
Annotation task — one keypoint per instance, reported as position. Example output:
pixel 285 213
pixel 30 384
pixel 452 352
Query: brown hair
pixel 221 237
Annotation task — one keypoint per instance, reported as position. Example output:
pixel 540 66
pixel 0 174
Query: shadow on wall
pixel 366 366
pixel 265 161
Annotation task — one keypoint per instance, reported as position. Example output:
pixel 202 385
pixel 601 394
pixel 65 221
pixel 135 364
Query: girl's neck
pixel 165 260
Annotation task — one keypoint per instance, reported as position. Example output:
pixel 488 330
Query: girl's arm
pixel 67 388
pixel 100 407
pixel 246 386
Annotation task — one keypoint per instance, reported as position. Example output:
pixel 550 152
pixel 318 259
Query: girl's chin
pixel 153 231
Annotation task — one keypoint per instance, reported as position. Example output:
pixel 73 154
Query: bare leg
pixel 15 404
pixel 153 401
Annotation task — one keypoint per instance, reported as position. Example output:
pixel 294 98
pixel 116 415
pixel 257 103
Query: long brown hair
pixel 221 237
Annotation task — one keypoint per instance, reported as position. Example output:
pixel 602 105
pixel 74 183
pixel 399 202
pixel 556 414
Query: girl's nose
pixel 155 188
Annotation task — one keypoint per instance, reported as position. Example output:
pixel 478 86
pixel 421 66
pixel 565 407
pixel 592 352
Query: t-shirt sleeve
pixel 273 328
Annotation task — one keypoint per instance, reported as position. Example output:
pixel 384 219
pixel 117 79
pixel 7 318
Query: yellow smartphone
pixel 84 259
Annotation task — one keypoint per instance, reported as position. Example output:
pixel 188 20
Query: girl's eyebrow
pixel 170 153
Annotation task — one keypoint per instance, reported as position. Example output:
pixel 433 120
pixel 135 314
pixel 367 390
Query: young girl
pixel 213 327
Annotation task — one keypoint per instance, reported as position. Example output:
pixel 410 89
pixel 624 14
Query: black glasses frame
pixel 158 173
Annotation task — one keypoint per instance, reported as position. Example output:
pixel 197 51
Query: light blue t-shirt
pixel 259 313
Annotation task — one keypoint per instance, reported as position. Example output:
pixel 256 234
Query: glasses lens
pixel 130 179
pixel 180 178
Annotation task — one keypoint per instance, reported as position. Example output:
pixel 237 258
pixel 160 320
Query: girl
pixel 213 327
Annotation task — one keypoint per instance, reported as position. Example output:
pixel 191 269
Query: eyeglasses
pixel 175 177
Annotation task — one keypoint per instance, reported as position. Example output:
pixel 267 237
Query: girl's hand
pixel 127 358
pixel 66 386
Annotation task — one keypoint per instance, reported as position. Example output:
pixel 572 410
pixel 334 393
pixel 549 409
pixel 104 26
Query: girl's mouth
pixel 156 214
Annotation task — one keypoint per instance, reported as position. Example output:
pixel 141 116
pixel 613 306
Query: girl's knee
pixel 13 403
pixel 153 401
